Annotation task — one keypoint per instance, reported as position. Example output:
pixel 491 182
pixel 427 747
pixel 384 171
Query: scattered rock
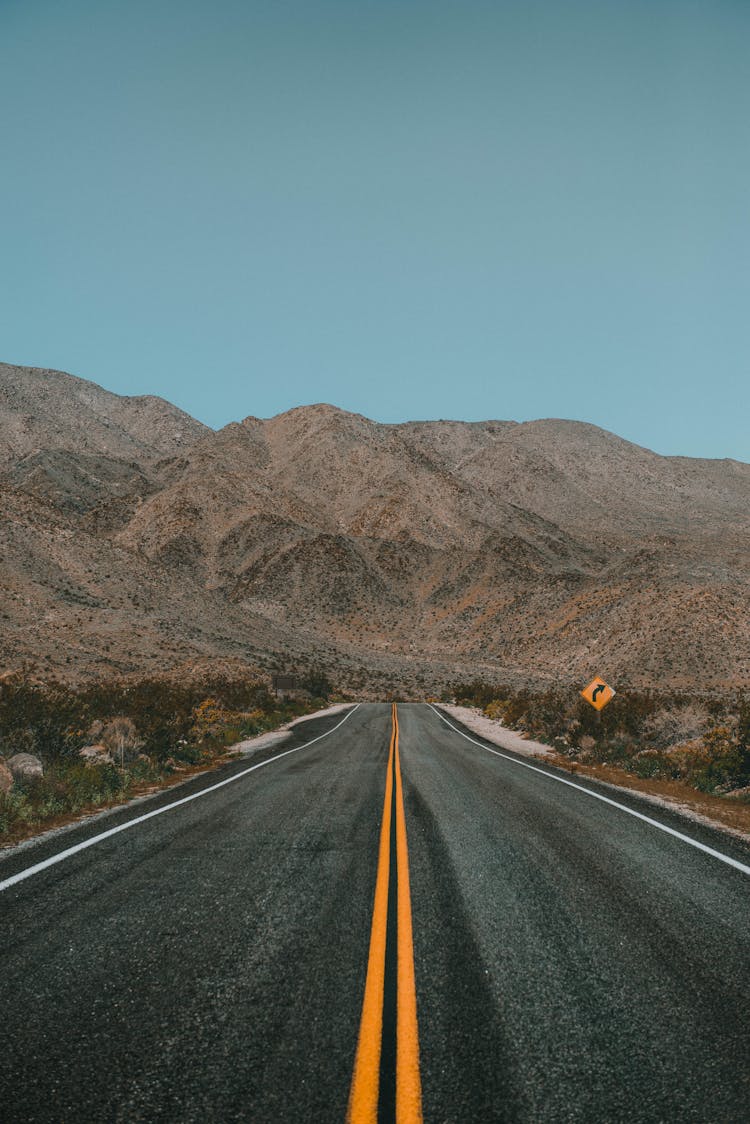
pixel 25 765
pixel 95 755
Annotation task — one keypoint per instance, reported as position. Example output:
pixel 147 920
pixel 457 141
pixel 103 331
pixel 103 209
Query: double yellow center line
pixel 365 1092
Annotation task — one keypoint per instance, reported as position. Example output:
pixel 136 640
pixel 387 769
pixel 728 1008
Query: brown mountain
pixel 41 411
pixel 134 537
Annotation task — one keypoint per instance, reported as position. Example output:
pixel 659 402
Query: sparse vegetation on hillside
pixel 704 742
pixel 137 540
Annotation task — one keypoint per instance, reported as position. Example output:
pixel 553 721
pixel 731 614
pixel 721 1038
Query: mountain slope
pixel 423 551
pixel 42 410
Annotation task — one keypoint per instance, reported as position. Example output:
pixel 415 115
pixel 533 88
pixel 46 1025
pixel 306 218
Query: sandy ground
pixel 273 737
pixel 713 811
pixel 493 731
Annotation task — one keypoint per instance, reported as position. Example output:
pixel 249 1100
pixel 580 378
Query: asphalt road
pixel 572 962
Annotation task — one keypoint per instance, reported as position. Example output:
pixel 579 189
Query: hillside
pixel 134 537
pixel 41 411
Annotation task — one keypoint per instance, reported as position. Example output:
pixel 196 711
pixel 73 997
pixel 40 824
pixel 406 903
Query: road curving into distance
pixel 387 922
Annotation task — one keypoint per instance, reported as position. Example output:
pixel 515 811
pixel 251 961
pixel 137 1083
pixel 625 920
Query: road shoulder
pixel 713 812
pixel 187 778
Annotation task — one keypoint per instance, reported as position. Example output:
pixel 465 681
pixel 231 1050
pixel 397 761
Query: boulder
pixel 25 765
pixel 6 778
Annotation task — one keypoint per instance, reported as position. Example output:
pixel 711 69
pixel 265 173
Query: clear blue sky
pixel 409 208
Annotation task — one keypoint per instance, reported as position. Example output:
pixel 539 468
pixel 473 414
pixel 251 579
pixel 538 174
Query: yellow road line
pixel 363 1097
pixel 408 1081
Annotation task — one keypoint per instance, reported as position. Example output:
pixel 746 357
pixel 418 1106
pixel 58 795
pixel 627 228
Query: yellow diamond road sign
pixel 598 693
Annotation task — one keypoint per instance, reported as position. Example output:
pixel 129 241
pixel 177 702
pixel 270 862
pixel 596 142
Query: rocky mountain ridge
pixel 403 555
pixel 42 411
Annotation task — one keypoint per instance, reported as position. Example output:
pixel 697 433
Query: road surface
pixel 381 926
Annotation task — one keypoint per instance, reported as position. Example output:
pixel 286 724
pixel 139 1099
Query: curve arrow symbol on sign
pixel 599 687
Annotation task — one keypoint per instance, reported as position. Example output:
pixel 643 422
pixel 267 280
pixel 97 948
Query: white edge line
pixel 598 796
pixel 58 858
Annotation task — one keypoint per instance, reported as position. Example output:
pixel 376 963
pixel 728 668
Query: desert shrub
pixel 517 704
pixel 317 683
pixel 15 810
pixel 47 717
pixel 18 741
pixel 725 764
pixel 189 753
pixel 496 709
pixel 476 692
pixel 615 752
pixel 65 788
pixel 120 737
pixel 144 769
pixel 651 763
pixel 253 722
pixel 209 719
pixel 672 725
pixel 89 785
